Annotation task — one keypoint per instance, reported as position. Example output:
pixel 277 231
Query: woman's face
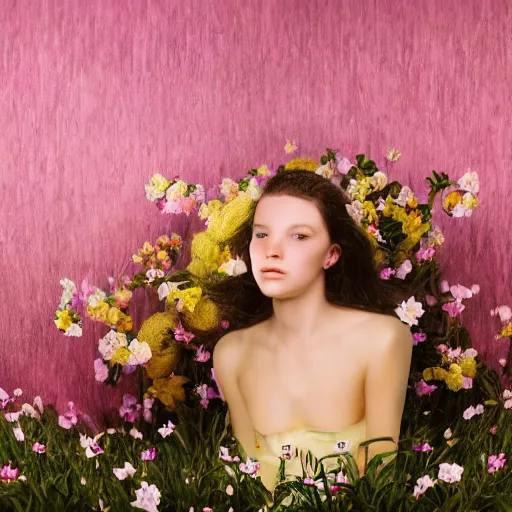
pixel 290 246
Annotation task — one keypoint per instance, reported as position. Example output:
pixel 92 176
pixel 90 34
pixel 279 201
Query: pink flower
pixel 504 312
pixel 308 481
pixel 224 455
pixel 453 308
pixel 187 204
pixel 442 348
pixel 422 484
pixel 249 467
pixel 404 269
pixel 171 207
pixel 225 324
pixel 70 417
pixel 460 292
pixel 450 473
pixel 135 433
pixel 181 335
pixel 419 337
pixel 493 430
pixel 167 429
pixel 423 389
pixel 130 410
pixel 148 497
pixel 207 509
pixel 7 473
pixel 426 253
pixel 100 370
pixel 423 448
pixel 148 454
pixel 496 462
pixel 214 378
pixel 123 473
pixel 507 396
pixel 431 300
pixel 38 448
pixel 444 286
pixel 387 273
pixel 202 355
pixel 147 414
pixel 5 399
pixel 344 165
pixel 467 382
pixel 473 411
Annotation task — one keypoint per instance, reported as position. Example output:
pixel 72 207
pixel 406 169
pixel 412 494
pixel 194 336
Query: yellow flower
pixel 389 207
pixel 306 164
pixel 263 170
pixel 147 249
pixel 506 331
pixel 99 312
pixel 207 209
pixel 155 331
pixel 63 319
pixel 454 381
pixel 169 390
pixel 371 212
pixel 159 183
pixel 469 201
pixel 434 373
pixel 125 323
pixel 393 155
pixel 452 199
pixel 113 315
pixel 205 317
pixel 225 223
pixel 121 356
pixel 137 259
pixel 224 256
pixel 412 202
pixel 290 147
pixel 162 256
pixel 188 298
pixel 468 367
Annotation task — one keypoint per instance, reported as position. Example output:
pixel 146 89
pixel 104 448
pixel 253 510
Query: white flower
pixel 67 293
pixel 356 211
pixel 378 181
pixel 450 472
pixel 127 471
pixel 504 312
pixel 448 433
pixel 152 194
pixel 459 210
pixel 148 497
pixel 140 352
pixel 38 403
pixel 153 273
pixel 405 195
pixel 167 429
pixel 100 370
pixel 135 433
pixel 96 297
pixel 110 343
pixel 469 182
pixel 167 287
pixel 18 434
pixel 393 155
pixel 174 192
pixel 92 448
pixel 410 311
pixel 17 392
pixel 473 411
pixel 73 330
pixel 469 352
pixel 234 267
pixel 28 410
pixel 403 269
pixel 83 481
pixel 325 171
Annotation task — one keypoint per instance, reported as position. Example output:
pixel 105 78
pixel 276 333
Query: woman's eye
pixel 259 235
pixel 300 236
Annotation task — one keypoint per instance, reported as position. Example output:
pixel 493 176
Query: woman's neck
pixel 296 320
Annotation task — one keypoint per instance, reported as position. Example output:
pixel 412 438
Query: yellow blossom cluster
pixel 506 331
pixel 64 319
pixel 306 164
pixel 187 299
pixel 169 390
pixel 111 315
pixel 454 376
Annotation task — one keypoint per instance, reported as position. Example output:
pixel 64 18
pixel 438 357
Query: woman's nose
pixel 273 249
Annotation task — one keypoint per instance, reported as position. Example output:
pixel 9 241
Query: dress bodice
pixel 296 443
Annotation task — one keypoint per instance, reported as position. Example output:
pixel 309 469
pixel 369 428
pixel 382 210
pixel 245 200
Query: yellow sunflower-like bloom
pixel 189 297
pixel 162 364
pixel 452 199
pixel 434 373
pixel 468 367
pixel 155 330
pixel 205 317
pixel 454 381
pixel 224 223
pixel 306 164
pixel 169 390
pixel 63 319
pixel 120 356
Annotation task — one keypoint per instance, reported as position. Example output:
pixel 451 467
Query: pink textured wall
pixel 97 95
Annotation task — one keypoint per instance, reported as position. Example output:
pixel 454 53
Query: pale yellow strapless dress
pixel 320 443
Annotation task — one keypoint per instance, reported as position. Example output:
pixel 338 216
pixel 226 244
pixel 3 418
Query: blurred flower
pixel 448 433
pixel 70 417
pixel 425 254
pixel 423 448
pixel 473 411
pixel 387 273
pixel 344 165
pixel 224 455
pixel 130 410
pixel 290 147
pixel 140 353
pixel 496 462
pixel 234 267
pixel 393 155
pixel 148 497
pixel 404 269
pixel 422 484
pixel 454 308
pixel 493 430
pixel 149 454
pixel 419 337
pixel 147 414
pixel 229 490
pixel 469 182
pixel 181 335
pixel 202 355
pixel 504 312
pixel 423 389
pixel 166 430
pixel 135 433
pixel 18 434
pixel 450 473
pixel 110 343
pixel 7 473
pixel 249 467
pixel 92 448
pixel 38 448
pixel 127 471
pixel 100 370
pixel 507 396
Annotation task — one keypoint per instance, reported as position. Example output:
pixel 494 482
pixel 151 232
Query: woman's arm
pixel 386 385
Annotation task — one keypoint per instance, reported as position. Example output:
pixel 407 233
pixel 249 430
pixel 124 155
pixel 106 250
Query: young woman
pixel 324 363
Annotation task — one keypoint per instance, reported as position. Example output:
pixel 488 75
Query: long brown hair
pixel 354 281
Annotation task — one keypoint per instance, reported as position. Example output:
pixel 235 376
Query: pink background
pixel 97 95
